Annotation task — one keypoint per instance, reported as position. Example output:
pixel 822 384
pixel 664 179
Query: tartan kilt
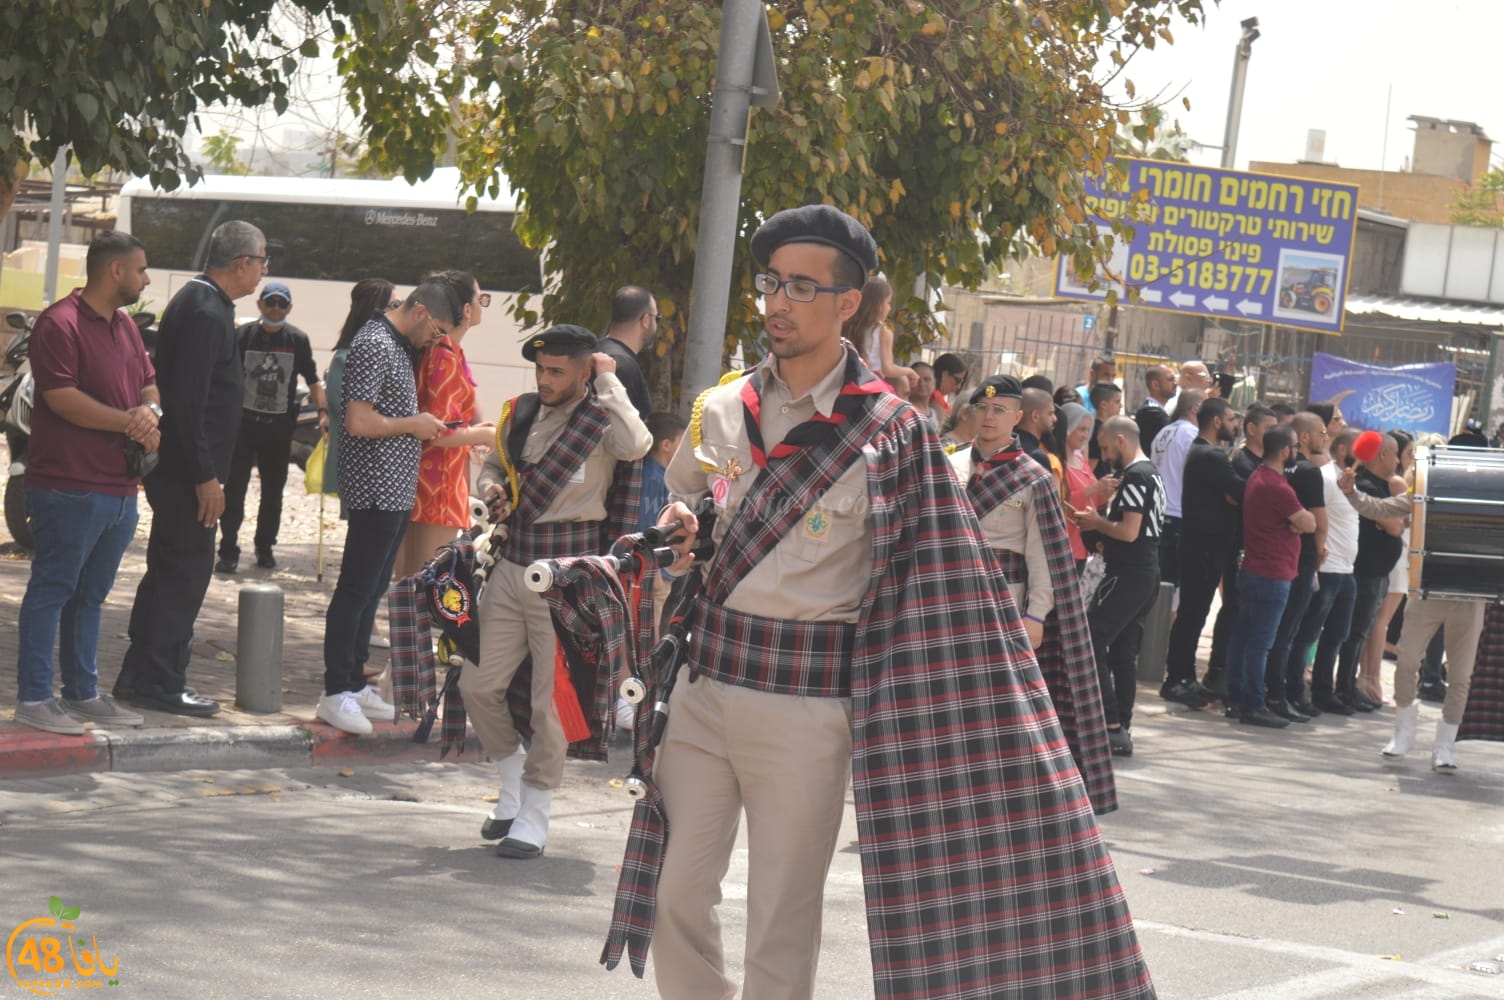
pixel 775 655
pixel 1484 716
pixel 553 540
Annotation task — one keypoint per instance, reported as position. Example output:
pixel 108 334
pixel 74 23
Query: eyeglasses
pixel 485 300
pixel 796 289
pixel 994 409
pixel 264 259
pixel 276 303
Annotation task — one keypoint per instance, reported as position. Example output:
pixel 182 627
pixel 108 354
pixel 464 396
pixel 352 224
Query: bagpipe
pixel 650 683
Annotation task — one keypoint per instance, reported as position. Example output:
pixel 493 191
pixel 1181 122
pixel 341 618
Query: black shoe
pixel 227 564
pixel 1433 691
pixel 186 702
pixel 1362 704
pixel 495 829
pixel 1214 684
pixel 1332 704
pixel 1285 712
pixel 1186 693
pixel 1120 741
pixel 1263 717
pixel 511 848
pixel 1304 707
pixel 265 560
pixel 1228 712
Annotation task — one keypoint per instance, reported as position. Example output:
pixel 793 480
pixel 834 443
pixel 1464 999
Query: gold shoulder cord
pixel 952 448
pixel 697 413
pixel 501 452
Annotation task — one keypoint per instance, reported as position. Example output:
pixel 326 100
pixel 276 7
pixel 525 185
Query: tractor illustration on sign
pixel 1313 294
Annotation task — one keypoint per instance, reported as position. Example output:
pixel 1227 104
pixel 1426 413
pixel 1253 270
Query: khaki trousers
pixel 786 760
pixel 1463 625
pixel 514 621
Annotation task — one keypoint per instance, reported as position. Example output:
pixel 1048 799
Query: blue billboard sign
pixel 1223 243
pixel 1415 398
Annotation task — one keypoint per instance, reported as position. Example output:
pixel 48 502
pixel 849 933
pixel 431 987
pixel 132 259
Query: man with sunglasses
pixel 274 353
pixel 202 383
pixel 850 627
pixel 380 445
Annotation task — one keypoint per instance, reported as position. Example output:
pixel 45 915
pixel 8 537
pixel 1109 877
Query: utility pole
pixel 745 77
pixel 1235 95
pixel 55 224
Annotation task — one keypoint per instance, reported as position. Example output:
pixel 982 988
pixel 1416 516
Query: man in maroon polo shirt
pixel 96 391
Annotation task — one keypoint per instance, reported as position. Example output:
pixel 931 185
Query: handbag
pixel 313 469
pixel 138 461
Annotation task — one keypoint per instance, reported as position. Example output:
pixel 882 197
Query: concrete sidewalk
pixel 234 738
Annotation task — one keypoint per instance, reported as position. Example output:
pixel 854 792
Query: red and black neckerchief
pixel 857 383
pixel 979 464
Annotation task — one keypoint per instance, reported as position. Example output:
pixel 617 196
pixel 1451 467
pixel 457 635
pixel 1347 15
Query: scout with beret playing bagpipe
pixel 565 479
pixel 1023 520
pixel 851 625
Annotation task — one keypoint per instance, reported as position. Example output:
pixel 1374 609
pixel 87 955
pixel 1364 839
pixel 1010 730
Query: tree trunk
pixel 10 186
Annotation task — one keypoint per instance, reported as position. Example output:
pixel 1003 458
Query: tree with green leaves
pixel 1479 204
pixel 121 81
pixel 957 130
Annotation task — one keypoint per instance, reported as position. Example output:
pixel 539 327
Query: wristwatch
pixel 154 408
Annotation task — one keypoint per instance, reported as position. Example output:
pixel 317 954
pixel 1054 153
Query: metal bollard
pixel 258 649
pixel 1154 649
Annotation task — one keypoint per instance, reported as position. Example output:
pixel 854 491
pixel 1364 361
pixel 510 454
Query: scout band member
pixel 851 624
pixel 1023 520
pixel 555 456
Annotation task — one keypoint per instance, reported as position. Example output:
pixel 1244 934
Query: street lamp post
pixel 1235 94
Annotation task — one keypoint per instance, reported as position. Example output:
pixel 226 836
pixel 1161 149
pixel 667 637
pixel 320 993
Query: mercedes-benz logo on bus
pixel 370 217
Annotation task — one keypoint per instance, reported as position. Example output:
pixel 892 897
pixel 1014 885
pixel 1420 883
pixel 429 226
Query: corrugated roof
pixel 1425 310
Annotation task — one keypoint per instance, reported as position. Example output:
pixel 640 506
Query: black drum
pixel 1457 537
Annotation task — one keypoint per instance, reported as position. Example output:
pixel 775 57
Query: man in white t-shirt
pixel 1330 612
pixel 1168 453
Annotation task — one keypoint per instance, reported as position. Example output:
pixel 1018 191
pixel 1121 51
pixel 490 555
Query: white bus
pixel 325 234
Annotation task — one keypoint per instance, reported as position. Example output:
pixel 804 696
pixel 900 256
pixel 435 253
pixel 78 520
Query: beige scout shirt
pixel 1012 525
pixel 583 498
pixel 819 571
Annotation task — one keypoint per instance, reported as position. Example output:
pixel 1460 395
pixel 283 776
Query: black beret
pixel 821 224
pixel 1005 386
pixel 566 339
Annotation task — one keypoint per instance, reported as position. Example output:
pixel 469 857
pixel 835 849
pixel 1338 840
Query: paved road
pixel 1257 865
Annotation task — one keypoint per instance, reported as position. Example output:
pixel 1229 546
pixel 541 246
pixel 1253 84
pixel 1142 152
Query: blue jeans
pixel 1282 678
pixel 1261 602
pixel 1328 617
pixel 80 538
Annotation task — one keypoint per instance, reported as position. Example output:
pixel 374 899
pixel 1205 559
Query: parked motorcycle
pixel 15 403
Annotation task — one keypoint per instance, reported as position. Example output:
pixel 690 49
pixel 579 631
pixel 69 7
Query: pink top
pixel 1078 479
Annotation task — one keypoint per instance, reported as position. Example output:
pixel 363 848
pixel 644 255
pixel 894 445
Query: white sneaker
pixel 370 701
pixel 626 714
pixel 344 713
pixel 380 641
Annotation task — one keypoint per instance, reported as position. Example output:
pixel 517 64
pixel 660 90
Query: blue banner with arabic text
pixel 1415 398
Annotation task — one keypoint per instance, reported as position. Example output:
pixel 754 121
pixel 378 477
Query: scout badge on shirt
pixel 720 490
pixel 815 527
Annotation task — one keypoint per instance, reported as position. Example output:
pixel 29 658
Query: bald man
pixel 1035 424
pixel 1152 414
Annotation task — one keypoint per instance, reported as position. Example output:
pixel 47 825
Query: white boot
pixel 1441 750
pixel 1405 720
pixel 508 799
pixel 530 829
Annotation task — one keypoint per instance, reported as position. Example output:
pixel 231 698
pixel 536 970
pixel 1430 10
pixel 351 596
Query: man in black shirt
pixel 634 324
pixel 274 354
pixel 1210 537
pixel 1256 421
pixel 1151 415
pixel 1284 676
pixel 1379 548
pixel 1035 424
pixel 202 384
pixel 1130 544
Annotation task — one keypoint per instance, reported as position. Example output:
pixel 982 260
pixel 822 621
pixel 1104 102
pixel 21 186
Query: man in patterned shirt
pixel 380 444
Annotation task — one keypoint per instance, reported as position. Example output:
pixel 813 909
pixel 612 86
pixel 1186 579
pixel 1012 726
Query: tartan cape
pixel 1483 718
pixel 1065 656
pixel 984 869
